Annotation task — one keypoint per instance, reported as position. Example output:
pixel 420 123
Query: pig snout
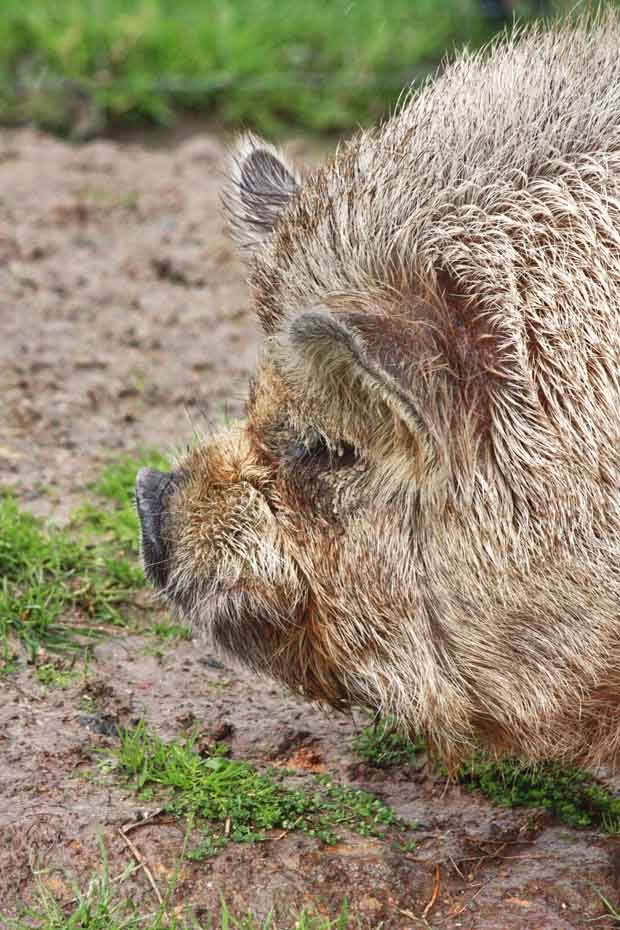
pixel 152 491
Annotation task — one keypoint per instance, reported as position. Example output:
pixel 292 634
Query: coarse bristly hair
pixel 421 512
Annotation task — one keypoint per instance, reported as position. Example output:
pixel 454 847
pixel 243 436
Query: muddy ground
pixel 124 323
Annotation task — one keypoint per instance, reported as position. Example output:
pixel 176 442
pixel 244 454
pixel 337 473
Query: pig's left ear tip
pixel 260 186
pixel 256 163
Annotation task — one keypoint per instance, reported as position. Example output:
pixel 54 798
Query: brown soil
pixel 124 324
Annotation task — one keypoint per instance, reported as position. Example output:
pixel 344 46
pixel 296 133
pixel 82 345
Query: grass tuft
pixel 383 746
pixel 237 802
pixel 570 794
pixel 99 907
pixel 171 632
pixel 103 906
pixel 57 586
pixel 54 591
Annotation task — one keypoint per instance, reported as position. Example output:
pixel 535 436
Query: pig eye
pixel 316 451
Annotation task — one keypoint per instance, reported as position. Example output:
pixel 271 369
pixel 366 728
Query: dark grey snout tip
pixel 152 490
pixel 148 481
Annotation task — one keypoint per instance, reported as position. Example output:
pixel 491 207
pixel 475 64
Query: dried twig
pixel 435 893
pixel 418 920
pixel 456 868
pixel 141 860
pixel 523 858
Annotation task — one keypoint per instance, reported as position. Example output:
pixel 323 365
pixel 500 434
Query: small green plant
pixel 207 846
pixel 56 675
pixel 167 631
pixel 406 847
pixel 238 802
pixel 382 745
pixel 570 794
pixel 8 659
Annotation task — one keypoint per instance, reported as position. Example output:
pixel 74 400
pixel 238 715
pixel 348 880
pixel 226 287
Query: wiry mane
pixel 483 139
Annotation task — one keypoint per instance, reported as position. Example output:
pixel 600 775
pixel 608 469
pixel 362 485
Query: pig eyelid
pixel 315 450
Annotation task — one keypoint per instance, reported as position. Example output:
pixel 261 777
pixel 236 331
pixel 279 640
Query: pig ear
pixel 261 185
pixel 347 349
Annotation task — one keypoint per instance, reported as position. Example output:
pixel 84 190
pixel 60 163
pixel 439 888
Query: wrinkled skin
pixel 421 512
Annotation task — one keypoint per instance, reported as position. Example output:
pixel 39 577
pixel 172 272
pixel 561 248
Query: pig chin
pixel 251 625
pixel 270 625
pixel 247 602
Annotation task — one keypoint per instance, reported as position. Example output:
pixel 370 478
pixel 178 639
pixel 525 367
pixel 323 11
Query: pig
pixel 420 512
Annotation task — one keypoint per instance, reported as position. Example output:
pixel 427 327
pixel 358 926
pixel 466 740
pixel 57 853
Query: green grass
pixel 613 910
pixel 235 802
pixel 54 591
pixel 58 674
pixel 570 794
pixel 171 632
pixel 59 585
pixel 79 65
pixel 101 905
pixel 383 746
